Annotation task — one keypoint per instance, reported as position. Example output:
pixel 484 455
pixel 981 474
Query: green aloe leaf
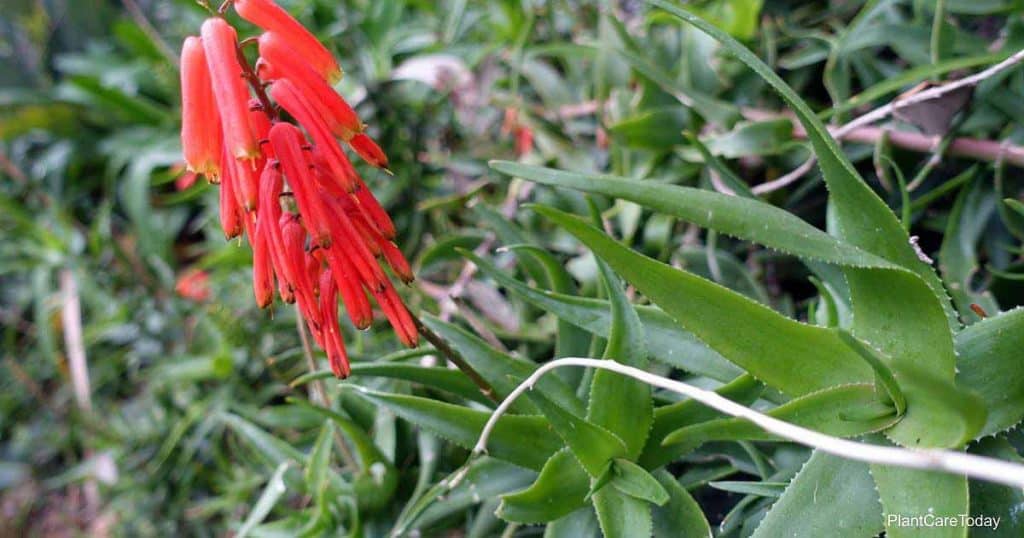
pixel 824 411
pixel 366 450
pixel 580 524
pixel 667 419
pixel 272 493
pixel 919 342
pixel 958 257
pixel 485 478
pixel 907 492
pixel 591 444
pixel 990 353
pixel 319 460
pixel 791 356
pixel 619 403
pixel 636 482
pixel 666 341
pixel 560 490
pixel 830 496
pixel 445 379
pixel 572 341
pixel 745 218
pixel 462 426
pixel 622 515
pixel 681 515
pixel 991 501
pixel 751 487
pixel 504 372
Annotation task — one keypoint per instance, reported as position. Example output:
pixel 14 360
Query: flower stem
pixel 455 357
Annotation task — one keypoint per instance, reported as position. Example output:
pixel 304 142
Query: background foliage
pixel 203 405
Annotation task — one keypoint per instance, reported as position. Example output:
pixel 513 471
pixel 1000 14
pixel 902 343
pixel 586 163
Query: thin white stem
pixel 989 469
pixel 886 110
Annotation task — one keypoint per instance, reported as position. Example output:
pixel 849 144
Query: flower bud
pixel 287 142
pixel 295 102
pixel 230 213
pixel 220 42
pixel 365 147
pixel 268 15
pixel 200 122
pixel 280 60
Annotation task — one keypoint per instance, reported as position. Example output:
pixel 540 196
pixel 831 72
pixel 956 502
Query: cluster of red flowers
pixel 324 237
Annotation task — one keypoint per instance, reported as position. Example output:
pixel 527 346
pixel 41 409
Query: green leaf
pixel 273 449
pixel 908 493
pixel 366 450
pixel 819 411
pixel 990 353
pixel 753 138
pixel 572 341
pixel 989 500
pixel 656 129
pixel 681 515
pixel 580 524
pixel 504 372
pixel 729 177
pixel 918 342
pixel 760 489
pixel 319 459
pixel 667 419
pixel 636 482
pixel 591 444
pixel 958 257
pixel 451 381
pixel 560 489
pixel 791 356
pixel 510 234
pixel 618 403
pixel 621 515
pixel 486 478
pixel 746 218
pixel 883 375
pixel 462 426
pixel 666 341
pixel 830 496
pixel 272 493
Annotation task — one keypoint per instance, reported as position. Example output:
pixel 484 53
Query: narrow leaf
pixel 462 426
pixel 794 357
pixel 831 497
pixel 560 490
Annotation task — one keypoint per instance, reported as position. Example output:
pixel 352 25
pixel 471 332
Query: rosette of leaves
pixel 887 361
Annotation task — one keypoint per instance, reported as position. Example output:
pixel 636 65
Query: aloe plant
pixel 901 369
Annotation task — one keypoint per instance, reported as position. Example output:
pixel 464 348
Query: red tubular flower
pixel 333 344
pixel 295 102
pixel 279 60
pixel 246 183
pixel 362 258
pixel 394 309
pixel 376 214
pixel 287 142
pixel 230 213
pixel 269 16
pixel 220 42
pixel 269 224
pixel 336 244
pixel 365 147
pixel 200 122
pixel 262 267
pixel 295 247
pixel 396 260
pixel 347 280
